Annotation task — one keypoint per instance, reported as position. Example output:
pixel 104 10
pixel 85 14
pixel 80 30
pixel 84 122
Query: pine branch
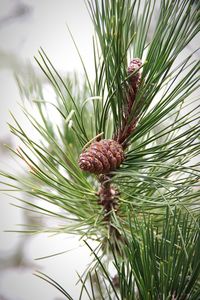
pixel 119 161
pixel 161 260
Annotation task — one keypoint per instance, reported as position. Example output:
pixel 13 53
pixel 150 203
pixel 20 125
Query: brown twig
pixel 128 126
pixel 108 196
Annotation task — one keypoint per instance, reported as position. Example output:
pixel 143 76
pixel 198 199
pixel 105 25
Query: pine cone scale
pixel 112 160
pixel 102 158
pixel 86 162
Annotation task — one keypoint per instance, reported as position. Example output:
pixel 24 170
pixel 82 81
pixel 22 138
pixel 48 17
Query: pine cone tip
pixel 134 65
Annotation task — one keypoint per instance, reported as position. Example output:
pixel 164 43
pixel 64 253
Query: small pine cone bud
pixel 101 157
pixel 134 65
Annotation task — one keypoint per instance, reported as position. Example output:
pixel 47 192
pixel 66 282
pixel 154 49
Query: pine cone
pixel 102 157
pixel 134 80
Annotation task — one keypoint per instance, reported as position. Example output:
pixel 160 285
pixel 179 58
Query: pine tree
pixel 120 161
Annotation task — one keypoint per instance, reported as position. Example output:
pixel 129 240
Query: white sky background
pixel 25 25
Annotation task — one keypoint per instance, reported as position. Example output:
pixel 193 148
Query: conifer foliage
pixel 120 163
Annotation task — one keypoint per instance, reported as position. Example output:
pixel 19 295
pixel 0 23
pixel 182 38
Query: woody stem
pixel 130 91
pixel 107 196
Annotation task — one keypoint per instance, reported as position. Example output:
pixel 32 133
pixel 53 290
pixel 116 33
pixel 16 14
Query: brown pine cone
pixel 101 157
pixel 134 79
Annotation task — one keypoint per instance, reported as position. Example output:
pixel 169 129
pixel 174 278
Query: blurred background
pixel 25 25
